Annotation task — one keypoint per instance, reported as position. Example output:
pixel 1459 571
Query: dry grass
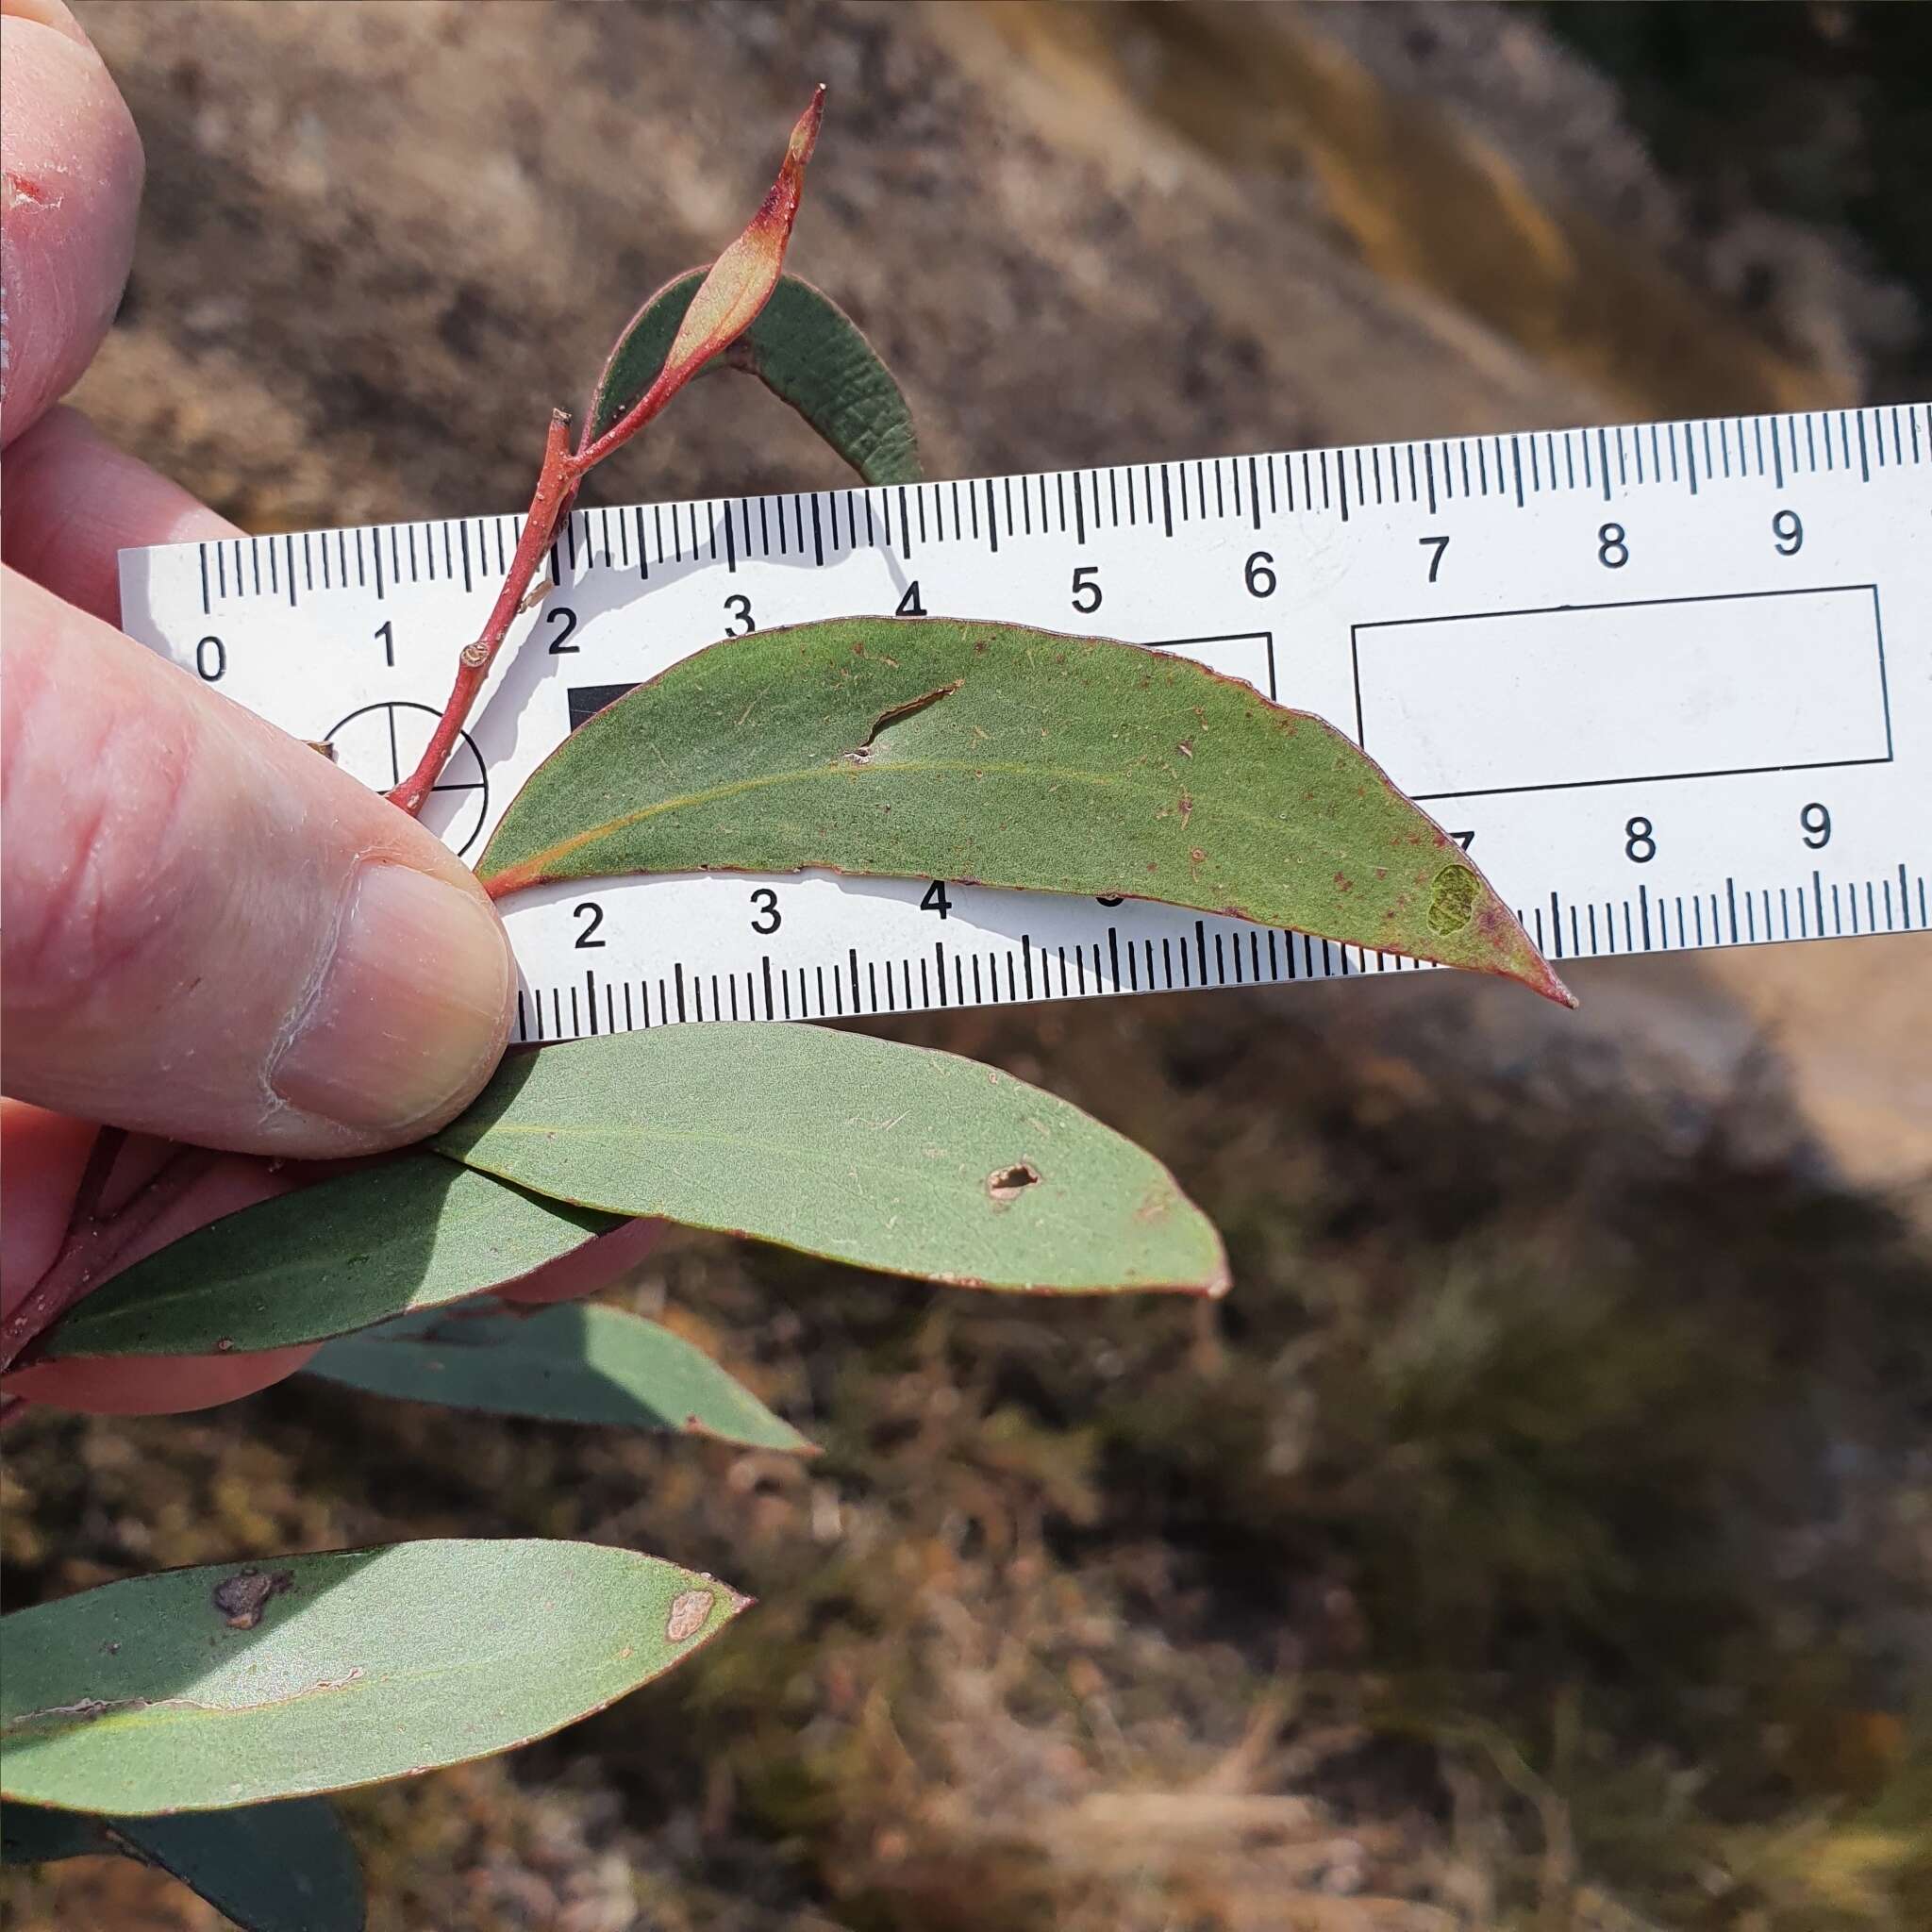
pixel 1537 1540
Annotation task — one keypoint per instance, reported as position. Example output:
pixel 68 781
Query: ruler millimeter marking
pixel 1669 684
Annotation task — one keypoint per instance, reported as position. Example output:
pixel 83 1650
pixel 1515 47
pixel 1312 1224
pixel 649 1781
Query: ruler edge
pixel 1919 413
pixel 134 558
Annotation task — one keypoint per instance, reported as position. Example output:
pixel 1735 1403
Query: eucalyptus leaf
pixel 411 1232
pixel 805 349
pixel 889 1157
pixel 285 1867
pixel 568 1362
pixel 31 1836
pixel 198 1690
pixel 997 754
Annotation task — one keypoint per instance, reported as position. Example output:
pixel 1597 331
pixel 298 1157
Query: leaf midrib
pixel 159 1712
pixel 804 1154
pixel 536 864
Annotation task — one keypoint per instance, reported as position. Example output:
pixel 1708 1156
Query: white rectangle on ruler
pixel 1669 688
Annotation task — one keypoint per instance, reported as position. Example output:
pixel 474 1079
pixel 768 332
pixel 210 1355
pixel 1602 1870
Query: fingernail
pixel 411 1011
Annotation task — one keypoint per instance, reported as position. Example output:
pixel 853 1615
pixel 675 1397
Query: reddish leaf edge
pixel 1499 923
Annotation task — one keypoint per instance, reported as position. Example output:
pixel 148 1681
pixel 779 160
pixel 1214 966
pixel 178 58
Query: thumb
pixel 209 931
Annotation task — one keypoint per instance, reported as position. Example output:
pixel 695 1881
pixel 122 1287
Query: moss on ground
pixel 1538 1538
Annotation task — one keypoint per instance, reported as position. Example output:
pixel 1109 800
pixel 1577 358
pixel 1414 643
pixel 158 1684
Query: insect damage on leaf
pixel 1055 764
pixel 1008 1183
pixel 399 1659
pixel 898 714
pixel 691 1609
pixel 835 1144
pixel 242 1598
pixel 1452 900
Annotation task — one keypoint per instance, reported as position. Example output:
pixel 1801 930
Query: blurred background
pixel 1540 1535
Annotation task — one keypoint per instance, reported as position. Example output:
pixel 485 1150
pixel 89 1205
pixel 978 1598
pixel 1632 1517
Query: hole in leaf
pixel 898 714
pixel 1008 1183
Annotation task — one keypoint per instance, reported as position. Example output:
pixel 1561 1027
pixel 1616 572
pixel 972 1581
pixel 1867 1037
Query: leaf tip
pixel 804 133
pixel 1545 982
pixel 1527 967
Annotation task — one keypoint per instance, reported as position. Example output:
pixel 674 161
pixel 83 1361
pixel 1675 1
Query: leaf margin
pixel 779 1438
pixel 86 1720
pixel 763 351
pixel 139 1291
pixel 1511 953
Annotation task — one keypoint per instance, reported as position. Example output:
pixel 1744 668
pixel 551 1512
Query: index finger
pixel 70 187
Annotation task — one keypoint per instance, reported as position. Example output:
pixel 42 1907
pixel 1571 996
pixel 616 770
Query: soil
pixel 1539 1534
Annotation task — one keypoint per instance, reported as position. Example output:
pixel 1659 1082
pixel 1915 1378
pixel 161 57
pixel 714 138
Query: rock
pixel 379 242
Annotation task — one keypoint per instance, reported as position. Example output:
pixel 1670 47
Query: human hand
pixel 208 932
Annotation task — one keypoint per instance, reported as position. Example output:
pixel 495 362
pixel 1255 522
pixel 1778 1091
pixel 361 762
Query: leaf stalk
pixel 93 1244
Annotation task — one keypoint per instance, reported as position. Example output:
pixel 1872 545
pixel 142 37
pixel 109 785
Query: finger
pixel 74 502
pixel 209 931
pixel 156 1384
pixel 70 186
pixel 42 1156
pixel 162 1385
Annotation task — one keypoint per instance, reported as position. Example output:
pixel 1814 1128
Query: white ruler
pixel 1669 684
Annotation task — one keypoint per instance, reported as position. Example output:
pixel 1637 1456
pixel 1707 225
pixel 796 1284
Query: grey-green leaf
pixel 286 1867
pixel 30 1836
pixel 412 1232
pixel 991 753
pixel 568 1362
pixel 887 1156
pixel 198 1689
pixel 805 349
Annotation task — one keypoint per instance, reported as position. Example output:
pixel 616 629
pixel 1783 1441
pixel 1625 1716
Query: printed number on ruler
pixel 1671 685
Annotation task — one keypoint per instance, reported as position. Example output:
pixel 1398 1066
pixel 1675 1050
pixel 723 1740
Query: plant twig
pixel 93 1249
pixel 555 481
pixel 727 303
pixel 94 1176
pixel 101 1157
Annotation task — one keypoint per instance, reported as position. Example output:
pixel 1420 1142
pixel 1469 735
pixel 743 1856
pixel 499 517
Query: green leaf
pixel 29 1836
pixel 569 1362
pixel 271 1868
pixel 414 1232
pixel 805 349
pixel 889 1157
pixel 997 754
pixel 198 1690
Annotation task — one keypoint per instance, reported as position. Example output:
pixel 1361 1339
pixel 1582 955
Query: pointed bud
pixel 738 286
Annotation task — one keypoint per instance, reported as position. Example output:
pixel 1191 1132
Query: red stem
pixel 93 1244
pixel 555 480
pixel 94 1176
pixel 750 269
pixel 557 488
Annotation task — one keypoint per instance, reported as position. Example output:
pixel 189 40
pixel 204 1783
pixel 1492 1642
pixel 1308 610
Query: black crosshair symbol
pixel 380 744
